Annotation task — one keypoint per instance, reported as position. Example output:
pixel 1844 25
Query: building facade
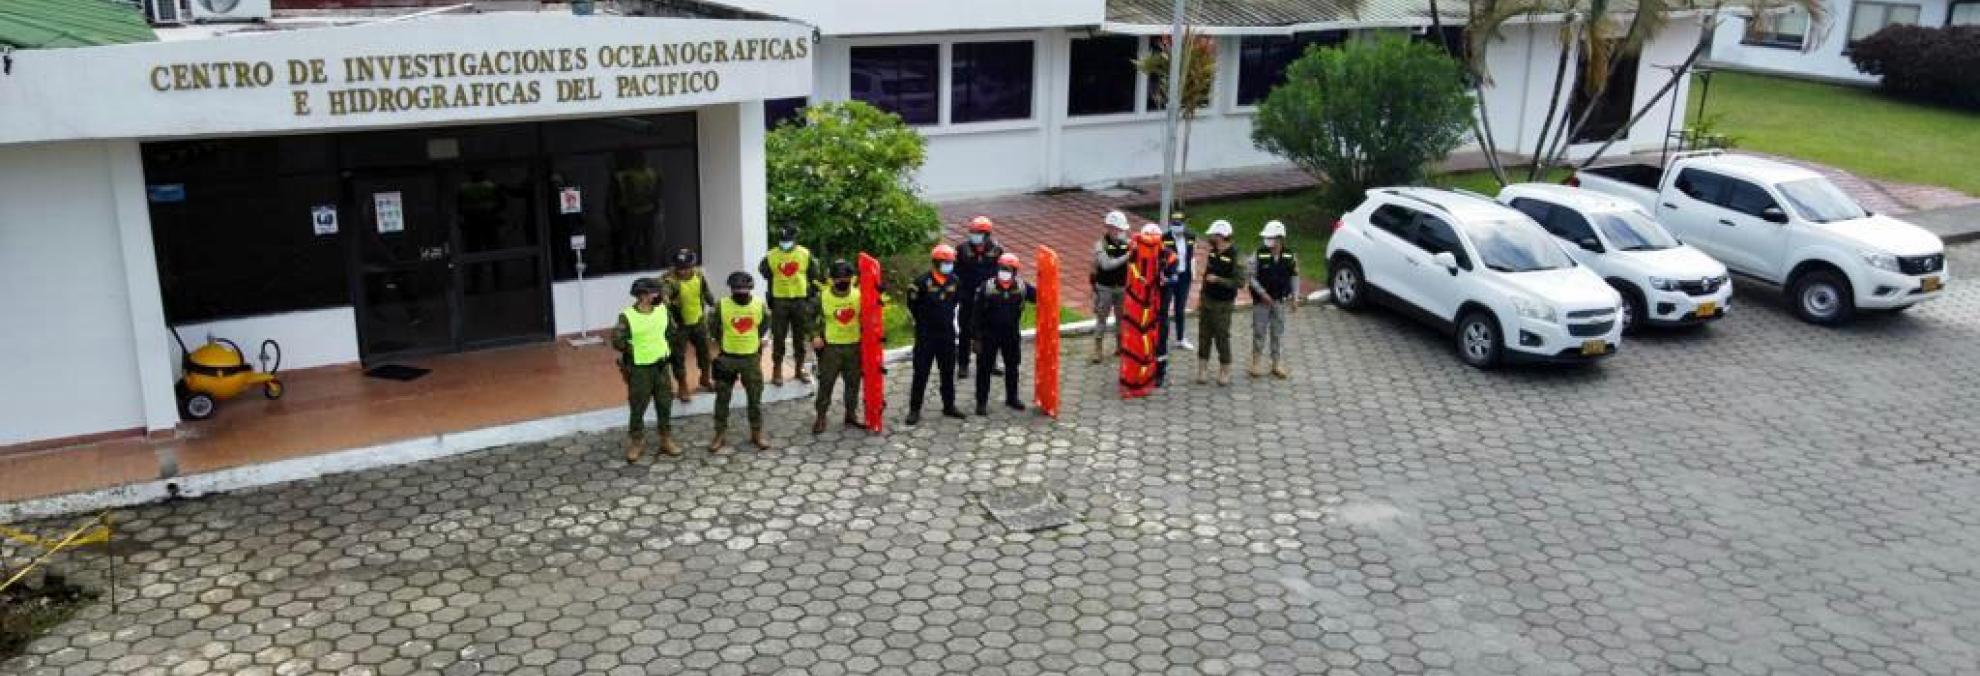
pixel 361 193
pixel 1790 44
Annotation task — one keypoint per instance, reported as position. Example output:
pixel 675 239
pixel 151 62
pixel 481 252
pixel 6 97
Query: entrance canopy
pixel 433 70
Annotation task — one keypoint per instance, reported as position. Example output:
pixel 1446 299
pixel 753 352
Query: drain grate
pixel 1025 509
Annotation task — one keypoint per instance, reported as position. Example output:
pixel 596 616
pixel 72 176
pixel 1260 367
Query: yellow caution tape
pixel 98 533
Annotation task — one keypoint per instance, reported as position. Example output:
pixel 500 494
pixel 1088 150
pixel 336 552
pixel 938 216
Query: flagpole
pixel 1177 50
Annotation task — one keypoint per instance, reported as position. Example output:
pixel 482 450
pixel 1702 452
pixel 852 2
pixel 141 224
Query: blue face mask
pixel 946 267
pixel 976 238
pixel 786 245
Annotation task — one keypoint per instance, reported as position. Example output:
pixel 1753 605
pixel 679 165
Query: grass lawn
pixel 1308 225
pixel 1851 128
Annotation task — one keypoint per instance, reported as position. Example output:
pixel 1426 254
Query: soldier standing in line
pixel 739 323
pixel 1223 275
pixel 976 263
pixel 838 341
pixel 1274 294
pixel 643 335
pixel 1110 257
pixel 999 313
pixel 794 278
pixel 690 298
pixel 933 300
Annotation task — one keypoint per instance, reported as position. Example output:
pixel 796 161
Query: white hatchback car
pixel 1499 283
pixel 1663 282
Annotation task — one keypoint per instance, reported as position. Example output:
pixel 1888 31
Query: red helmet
pixel 1008 261
pixel 944 252
pixel 980 224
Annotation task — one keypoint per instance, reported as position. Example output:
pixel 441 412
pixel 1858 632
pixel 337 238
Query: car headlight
pixel 1533 309
pixel 1880 260
pixel 1663 284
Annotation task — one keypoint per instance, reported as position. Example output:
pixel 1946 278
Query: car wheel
pixel 199 406
pixel 1478 340
pixel 1349 288
pixel 1822 297
pixel 1634 314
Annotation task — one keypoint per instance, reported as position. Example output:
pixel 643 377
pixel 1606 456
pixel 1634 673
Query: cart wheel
pixel 198 406
pixel 272 389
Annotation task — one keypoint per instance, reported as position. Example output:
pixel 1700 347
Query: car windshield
pixel 1516 246
pixel 1818 200
pixel 1633 231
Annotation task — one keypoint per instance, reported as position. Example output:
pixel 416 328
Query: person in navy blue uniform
pixel 932 301
pixel 999 317
pixel 976 263
pixel 1175 291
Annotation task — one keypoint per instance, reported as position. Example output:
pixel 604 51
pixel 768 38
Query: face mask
pixel 1115 236
pixel 1176 228
pixel 842 286
pixel 1271 242
pixel 1005 275
pixel 741 297
pixel 945 267
pixel 976 238
pixel 786 245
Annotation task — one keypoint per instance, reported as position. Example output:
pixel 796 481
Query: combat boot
pixel 721 439
pixel 635 447
pixel 707 383
pixel 681 391
pixel 667 444
pixel 777 373
pixel 802 375
pixel 756 437
pixel 1257 365
pixel 1279 371
pixel 853 421
pixel 1202 371
pixel 818 424
pixel 1099 349
pixel 1224 375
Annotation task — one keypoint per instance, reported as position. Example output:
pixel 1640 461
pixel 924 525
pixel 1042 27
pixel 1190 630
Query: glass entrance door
pixel 404 264
pixel 504 291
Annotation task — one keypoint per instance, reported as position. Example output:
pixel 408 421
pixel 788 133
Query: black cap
pixel 643 286
pixel 841 268
pixel 685 258
pixel 741 281
pixel 787 232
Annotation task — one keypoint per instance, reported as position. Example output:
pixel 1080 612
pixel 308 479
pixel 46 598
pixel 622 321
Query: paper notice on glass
pixel 390 207
pixel 570 201
pixel 323 219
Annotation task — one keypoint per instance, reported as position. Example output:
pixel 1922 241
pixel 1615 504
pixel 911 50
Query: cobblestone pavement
pixel 1759 496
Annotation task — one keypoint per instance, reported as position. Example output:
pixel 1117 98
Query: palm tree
pixel 1199 71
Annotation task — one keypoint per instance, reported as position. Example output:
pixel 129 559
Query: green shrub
pixel 1368 113
pixel 843 177
pixel 1940 65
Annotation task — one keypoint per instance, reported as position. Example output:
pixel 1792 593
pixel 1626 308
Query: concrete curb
pixel 413 450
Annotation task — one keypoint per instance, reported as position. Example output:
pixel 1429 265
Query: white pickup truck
pixel 1787 226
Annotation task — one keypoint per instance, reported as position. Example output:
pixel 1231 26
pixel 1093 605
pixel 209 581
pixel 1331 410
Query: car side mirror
pixel 1773 215
pixel 1591 244
pixel 1445 259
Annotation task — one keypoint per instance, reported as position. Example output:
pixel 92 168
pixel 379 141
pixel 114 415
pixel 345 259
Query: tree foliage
pixel 843 176
pixel 1366 114
pixel 1199 73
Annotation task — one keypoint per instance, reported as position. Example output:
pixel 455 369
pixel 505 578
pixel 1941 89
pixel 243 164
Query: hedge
pixel 1939 65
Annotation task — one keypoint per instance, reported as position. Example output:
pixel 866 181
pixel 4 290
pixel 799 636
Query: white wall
pixel 876 17
pixel 309 338
pixel 64 295
pixel 1820 56
pixel 734 229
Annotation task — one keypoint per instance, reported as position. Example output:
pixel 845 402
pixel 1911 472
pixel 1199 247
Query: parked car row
pixel 1559 273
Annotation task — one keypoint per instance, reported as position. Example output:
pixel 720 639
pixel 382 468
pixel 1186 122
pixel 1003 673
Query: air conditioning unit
pixel 165 12
pixel 229 10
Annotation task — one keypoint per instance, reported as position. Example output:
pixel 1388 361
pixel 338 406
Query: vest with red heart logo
pixel 841 317
pixel 790 272
pixel 742 325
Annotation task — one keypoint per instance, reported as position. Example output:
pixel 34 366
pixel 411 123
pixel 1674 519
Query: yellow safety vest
pixel 649 335
pixel 741 325
pixel 789 272
pixel 841 317
pixel 688 295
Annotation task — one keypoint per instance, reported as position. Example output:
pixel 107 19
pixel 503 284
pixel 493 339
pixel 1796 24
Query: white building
pixel 1790 45
pixel 1021 95
pixel 215 181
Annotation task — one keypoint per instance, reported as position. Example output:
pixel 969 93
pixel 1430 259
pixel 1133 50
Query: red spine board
pixel 872 346
pixel 1046 384
pixel 1140 320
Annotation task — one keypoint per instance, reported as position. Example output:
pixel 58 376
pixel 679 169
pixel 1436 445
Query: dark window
pixel 1102 80
pixel 1748 198
pixel 1436 236
pixel 1569 225
pixel 1703 186
pixel 990 81
pixel 779 111
pixel 1262 60
pixel 1534 209
pixel 1153 102
pixel 1963 13
pixel 900 79
pixel 1392 219
pixel 1612 111
pixel 1788 29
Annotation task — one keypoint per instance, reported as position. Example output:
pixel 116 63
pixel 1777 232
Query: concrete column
pixel 734 203
pixel 152 340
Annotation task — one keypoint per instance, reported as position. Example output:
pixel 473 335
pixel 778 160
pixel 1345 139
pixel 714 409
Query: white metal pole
pixel 584 336
pixel 1176 51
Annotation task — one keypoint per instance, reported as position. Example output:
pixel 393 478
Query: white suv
pixel 1502 285
pixel 1663 282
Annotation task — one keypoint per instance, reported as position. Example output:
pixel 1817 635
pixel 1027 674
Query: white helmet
pixel 1273 229
pixel 1151 229
pixel 1117 220
pixel 1221 228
